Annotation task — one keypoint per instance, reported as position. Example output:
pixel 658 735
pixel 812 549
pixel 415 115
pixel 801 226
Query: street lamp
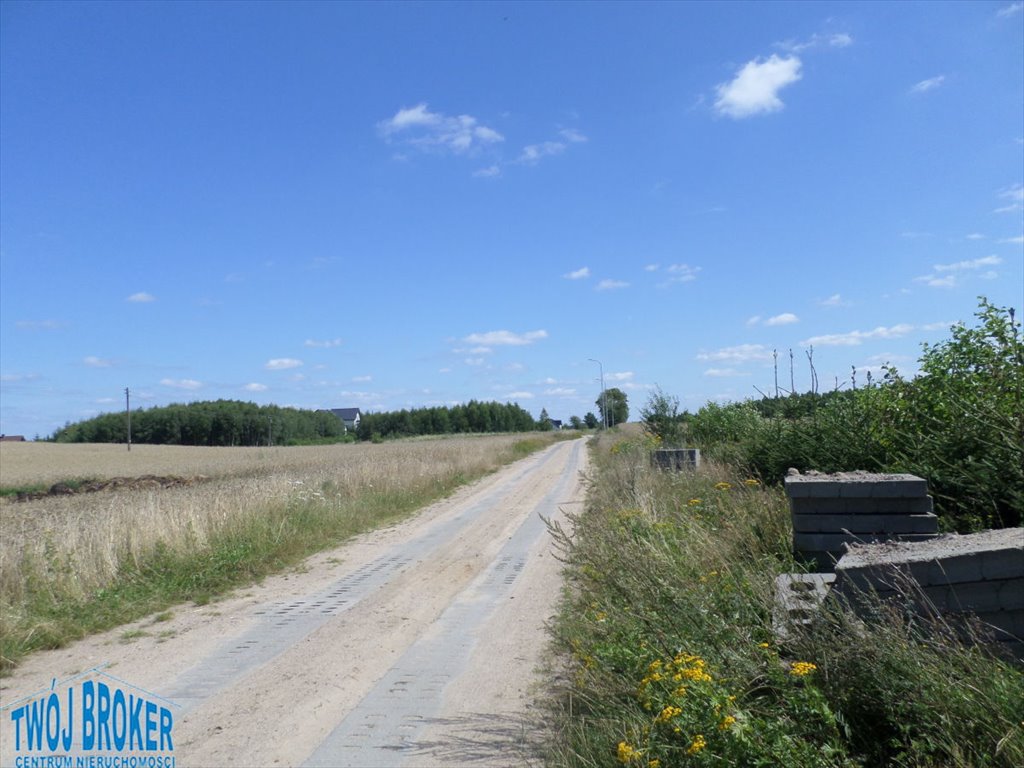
pixel 604 397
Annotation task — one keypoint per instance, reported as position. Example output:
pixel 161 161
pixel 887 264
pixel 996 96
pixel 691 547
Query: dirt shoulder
pixel 266 676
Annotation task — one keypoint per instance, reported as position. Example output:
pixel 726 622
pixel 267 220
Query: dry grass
pixel 63 550
pixel 25 464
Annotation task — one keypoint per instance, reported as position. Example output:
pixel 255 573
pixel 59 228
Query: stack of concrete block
pixel 798 600
pixel 676 458
pixel 831 512
pixel 979 575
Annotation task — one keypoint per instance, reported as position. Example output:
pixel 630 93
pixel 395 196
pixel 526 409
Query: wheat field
pixel 67 547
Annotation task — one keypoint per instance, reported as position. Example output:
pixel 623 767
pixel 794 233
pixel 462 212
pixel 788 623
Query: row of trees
pixel 233 422
pixel 473 417
pixel 212 423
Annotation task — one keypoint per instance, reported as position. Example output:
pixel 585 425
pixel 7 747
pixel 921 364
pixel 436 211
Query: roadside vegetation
pixel 670 656
pixel 75 564
pixel 959 424
pixel 668 651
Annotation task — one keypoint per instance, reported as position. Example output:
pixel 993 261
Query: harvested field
pixel 255 510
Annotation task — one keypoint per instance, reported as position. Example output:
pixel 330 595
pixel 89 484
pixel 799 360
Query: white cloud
pixel 1019 240
pixel 96 362
pixel 1015 194
pixel 1009 10
pixel 533 153
pixel 571 134
pixel 741 353
pixel 652 268
pixel 611 285
pixel 755 88
pixel 940 326
pixel 39 325
pixel 836 40
pixel 681 273
pixel 434 131
pixel 949 279
pixel 560 392
pixel 786 318
pixel 579 274
pixel 975 236
pixel 141 298
pixel 506 338
pixel 854 338
pixel 835 300
pixel 188 384
pixel 489 172
pixel 723 372
pixel 928 85
pixel 361 379
pixel 620 376
pixel 282 364
pixel 986 261
pixel 255 387
pixel 325 344
pixel 474 361
pixel 519 396
pixel 932 281
pixel 13 377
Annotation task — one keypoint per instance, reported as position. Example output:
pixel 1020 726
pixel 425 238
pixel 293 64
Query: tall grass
pixel 71 565
pixel 668 655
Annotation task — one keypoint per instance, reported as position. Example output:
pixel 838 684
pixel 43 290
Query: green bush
pixel 959 424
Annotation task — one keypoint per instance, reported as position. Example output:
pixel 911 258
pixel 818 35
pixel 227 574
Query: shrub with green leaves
pixel 959 424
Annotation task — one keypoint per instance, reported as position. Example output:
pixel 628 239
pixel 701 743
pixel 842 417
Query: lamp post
pixel 604 397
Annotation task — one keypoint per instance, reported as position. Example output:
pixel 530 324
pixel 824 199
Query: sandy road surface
pixel 412 646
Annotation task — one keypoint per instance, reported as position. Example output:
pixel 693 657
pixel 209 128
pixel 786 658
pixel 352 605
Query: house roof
pixel 345 414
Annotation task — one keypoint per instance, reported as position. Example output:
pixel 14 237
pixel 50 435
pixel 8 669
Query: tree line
pixel 209 423
pixel 473 417
pixel 236 423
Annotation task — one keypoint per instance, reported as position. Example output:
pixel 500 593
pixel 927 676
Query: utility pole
pixel 604 396
pixel 128 412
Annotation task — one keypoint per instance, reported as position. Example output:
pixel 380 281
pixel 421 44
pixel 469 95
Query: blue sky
pixel 397 205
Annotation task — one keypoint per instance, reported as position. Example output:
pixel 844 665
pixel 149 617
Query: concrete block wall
pixel 979 575
pixel 676 458
pixel 831 512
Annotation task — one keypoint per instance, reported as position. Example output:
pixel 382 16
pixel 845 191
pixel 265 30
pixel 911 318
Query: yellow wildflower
pixel 696 745
pixel 655 763
pixel 727 722
pixel 627 753
pixel 693 502
pixel 802 668
pixel 697 675
pixel 668 713
pixel 751 481
pixel 723 486
pixel 763 645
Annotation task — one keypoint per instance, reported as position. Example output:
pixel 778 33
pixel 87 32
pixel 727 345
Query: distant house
pixel 12 438
pixel 556 423
pixel 349 417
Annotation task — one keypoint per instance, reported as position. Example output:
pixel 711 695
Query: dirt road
pixel 412 646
